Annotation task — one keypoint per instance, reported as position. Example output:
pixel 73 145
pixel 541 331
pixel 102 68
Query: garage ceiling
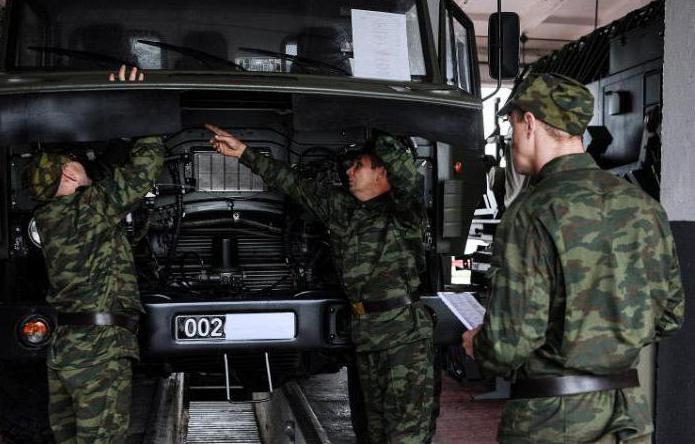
pixel 548 24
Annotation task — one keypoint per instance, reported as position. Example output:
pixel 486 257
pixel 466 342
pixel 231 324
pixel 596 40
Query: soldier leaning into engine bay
pixel 376 239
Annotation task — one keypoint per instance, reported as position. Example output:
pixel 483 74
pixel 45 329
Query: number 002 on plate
pixel 236 327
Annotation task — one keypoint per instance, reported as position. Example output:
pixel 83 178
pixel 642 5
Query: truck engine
pixel 215 230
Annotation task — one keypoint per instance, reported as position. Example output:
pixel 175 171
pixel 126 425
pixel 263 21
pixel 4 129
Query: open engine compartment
pixel 210 229
pixel 212 242
pixel 216 230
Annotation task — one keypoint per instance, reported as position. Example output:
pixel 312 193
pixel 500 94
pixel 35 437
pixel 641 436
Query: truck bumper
pixel 319 325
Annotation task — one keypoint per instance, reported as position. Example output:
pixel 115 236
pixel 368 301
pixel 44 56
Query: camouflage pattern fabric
pixel 90 268
pixel 584 274
pixel 44 178
pixel 559 101
pixel 90 262
pixel 387 379
pixel 91 405
pixel 377 246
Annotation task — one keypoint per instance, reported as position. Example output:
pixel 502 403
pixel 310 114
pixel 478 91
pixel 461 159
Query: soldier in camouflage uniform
pixel 94 289
pixel 376 237
pixel 584 275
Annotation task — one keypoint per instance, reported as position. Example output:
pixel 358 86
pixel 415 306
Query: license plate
pixel 200 327
pixel 236 327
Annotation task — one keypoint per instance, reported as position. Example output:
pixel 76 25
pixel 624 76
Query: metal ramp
pixel 222 422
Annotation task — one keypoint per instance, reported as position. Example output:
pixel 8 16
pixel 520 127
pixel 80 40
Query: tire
pixel 24 403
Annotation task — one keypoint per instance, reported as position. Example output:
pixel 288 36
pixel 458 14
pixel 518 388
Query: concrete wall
pixel 675 385
pixel 678 158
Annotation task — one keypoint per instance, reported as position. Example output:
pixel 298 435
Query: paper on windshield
pixel 380 45
pixel 465 306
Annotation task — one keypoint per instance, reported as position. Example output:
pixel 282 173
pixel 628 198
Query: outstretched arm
pixel 400 165
pixel 225 142
pixel 324 203
pixel 129 183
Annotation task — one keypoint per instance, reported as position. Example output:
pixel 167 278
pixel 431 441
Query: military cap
pixel 45 174
pixel 557 100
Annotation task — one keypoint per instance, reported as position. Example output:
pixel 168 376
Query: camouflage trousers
pixel 398 390
pixel 90 404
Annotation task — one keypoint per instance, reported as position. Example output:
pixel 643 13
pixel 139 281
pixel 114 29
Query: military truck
pixel 622 64
pixel 234 275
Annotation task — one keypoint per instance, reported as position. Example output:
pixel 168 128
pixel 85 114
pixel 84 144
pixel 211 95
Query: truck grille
pixel 215 172
pixel 262 260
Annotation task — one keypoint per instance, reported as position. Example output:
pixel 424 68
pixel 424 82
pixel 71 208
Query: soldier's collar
pixel 566 163
pixel 381 199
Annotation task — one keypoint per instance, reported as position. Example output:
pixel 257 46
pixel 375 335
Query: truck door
pixel 461 171
pixel 458 58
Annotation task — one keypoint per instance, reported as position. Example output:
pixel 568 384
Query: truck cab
pixel 228 267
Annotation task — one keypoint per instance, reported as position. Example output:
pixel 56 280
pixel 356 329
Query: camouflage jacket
pixel 376 244
pixel 90 262
pixel 584 275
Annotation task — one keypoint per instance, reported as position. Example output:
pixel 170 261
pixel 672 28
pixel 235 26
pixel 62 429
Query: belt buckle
pixel 358 309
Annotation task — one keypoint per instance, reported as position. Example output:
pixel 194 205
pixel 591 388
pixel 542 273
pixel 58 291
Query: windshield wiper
pixel 197 54
pixel 310 64
pixel 101 60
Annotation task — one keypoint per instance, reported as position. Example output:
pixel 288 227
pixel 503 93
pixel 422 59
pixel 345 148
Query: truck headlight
pixel 33 232
pixel 34 331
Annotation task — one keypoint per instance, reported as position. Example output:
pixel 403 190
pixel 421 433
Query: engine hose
pixel 230 221
pixel 175 238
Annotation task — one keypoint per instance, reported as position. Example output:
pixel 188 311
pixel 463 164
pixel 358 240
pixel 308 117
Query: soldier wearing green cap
pixel 94 288
pixel 584 275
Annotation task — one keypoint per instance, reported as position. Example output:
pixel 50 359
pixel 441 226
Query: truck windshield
pixel 359 38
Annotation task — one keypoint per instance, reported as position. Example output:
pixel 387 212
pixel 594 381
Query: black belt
pixel 572 385
pixel 362 308
pixel 96 318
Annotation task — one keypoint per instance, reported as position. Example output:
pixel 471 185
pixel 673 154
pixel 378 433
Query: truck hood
pixel 83 107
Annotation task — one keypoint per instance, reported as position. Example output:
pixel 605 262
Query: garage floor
pixel 463 419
